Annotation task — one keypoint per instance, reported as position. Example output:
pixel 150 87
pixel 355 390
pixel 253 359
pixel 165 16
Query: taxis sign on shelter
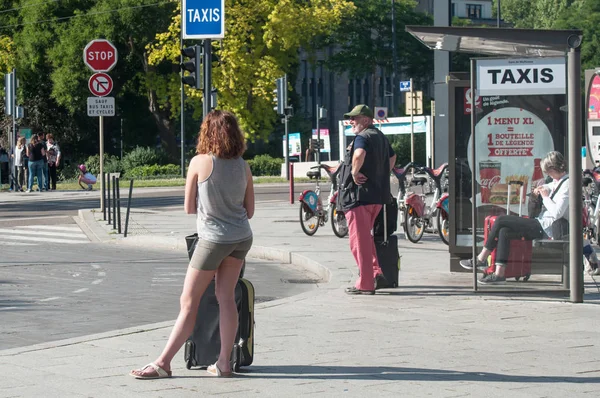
pixel 101 106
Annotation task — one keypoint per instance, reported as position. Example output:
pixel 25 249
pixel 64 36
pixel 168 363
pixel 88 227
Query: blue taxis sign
pixel 203 19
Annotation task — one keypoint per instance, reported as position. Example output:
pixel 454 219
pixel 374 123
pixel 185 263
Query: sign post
pixel 100 55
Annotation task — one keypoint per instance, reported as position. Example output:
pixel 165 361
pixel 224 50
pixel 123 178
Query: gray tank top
pixel 222 217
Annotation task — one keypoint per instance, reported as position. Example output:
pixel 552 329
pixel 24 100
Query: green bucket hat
pixel 361 109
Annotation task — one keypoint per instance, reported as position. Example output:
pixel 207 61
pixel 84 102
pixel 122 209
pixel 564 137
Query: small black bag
pixel 534 207
pixel 392 219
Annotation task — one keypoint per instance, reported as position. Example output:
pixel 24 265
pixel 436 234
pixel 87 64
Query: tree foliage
pixel 261 44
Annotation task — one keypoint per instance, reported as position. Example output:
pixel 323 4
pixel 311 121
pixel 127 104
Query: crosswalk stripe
pixel 16 243
pixel 39 239
pixel 28 233
pixel 71 228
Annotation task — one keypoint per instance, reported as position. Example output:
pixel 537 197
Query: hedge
pixel 265 165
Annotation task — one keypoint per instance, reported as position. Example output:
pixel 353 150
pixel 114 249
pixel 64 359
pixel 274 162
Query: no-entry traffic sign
pixel 100 84
pixel 100 55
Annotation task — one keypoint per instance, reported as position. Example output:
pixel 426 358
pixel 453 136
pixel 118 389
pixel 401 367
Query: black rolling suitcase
pixel 203 346
pixel 387 254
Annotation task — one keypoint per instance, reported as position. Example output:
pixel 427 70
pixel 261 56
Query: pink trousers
pixel 360 223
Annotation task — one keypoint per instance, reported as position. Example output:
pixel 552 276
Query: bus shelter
pixel 522 99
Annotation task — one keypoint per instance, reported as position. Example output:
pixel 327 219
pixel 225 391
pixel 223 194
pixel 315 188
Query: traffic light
pixel 280 96
pixel 193 66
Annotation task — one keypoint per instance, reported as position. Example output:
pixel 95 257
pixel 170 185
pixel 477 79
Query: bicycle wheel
pixel 443 226
pixel 413 225
pixel 338 222
pixel 309 220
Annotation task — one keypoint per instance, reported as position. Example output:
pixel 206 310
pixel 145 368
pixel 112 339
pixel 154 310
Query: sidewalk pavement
pixel 430 337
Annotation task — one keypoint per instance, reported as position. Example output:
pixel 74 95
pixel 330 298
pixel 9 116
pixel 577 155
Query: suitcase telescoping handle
pixel 520 184
pixel 385 235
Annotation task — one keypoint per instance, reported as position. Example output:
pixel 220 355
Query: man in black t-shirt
pixel 372 160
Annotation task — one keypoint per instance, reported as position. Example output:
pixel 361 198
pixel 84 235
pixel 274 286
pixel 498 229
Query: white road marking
pixel 97 281
pixel 68 228
pixel 30 235
pixel 39 235
pixel 16 243
pixel 8 308
pixel 95 266
pixel 101 273
pixel 80 290
pixel 50 299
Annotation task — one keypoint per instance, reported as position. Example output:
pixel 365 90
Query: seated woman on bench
pixel 555 196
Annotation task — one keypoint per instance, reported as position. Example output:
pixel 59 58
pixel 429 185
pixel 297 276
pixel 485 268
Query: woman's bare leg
pixel 227 278
pixel 195 285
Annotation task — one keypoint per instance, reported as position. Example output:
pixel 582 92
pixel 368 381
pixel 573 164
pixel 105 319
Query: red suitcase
pixel 519 258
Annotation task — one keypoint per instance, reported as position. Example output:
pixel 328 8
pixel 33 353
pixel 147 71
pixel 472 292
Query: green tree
pixel 532 14
pixel 261 44
pixel 364 42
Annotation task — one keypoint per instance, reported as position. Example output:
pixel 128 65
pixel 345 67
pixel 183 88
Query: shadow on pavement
pixel 399 373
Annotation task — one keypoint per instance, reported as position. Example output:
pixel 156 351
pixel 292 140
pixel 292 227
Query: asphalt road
pixel 50 208
pixel 56 284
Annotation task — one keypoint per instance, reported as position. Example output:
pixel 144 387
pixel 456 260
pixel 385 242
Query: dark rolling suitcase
pixel 203 346
pixel 387 253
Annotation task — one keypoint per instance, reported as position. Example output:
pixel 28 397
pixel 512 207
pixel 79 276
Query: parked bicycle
pixel 400 174
pixel 312 212
pixel 591 205
pixel 420 215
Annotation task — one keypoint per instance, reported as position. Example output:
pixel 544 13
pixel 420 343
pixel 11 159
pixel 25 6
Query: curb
pixel 98 234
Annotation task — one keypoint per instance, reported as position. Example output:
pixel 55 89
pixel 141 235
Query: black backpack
pixel 347 189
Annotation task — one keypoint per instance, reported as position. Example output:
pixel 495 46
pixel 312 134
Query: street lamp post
pixel 498 14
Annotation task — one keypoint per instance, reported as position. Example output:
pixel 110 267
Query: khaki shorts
pixel 208 255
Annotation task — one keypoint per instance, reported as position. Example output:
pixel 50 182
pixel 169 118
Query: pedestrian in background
pixel 19 155
pixel 219 189
pixel 46 183
pixel 555 196
pixel 372 160
pixel 86 179
pixel 53 156
pixel 36 151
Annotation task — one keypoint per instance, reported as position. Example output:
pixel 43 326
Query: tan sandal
pixel 215 371
pixel 156 373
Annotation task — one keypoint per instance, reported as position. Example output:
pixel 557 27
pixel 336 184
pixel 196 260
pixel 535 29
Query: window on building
pixel 474 11
pixel 453 10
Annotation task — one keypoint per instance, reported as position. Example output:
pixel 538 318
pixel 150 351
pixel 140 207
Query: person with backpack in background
pixel 53 157
pixel 363 192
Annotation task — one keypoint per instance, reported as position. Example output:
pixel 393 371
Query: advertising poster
pixel 325 137
pixel 518 121
pixel 294 146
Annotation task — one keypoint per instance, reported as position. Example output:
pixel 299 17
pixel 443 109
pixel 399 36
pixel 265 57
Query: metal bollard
pixel 107 203
pixel 291 173
pixel 118 206
pixel 128 206
pixel 114 202
pixel 104 196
